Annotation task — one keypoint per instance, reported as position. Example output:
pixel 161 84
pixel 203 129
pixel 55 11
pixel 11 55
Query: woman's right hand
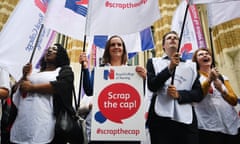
pixel 83 60
pixel 175 60
pixel 213 75
pixel 27 69
pixel 172 92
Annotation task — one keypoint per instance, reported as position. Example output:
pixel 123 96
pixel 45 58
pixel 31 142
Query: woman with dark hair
pixel 38 95
pixel 115 54
pixel 218 121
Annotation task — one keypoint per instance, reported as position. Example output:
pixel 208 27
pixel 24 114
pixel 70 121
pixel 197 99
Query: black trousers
pixel 210 137
pixel 166 131
pixel 114 142
pixel 163 130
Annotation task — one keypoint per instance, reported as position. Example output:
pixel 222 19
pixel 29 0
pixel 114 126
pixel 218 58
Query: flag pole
pixel 32 55
pixel 211 45
pixel 213 56
pixel 36 42
pixel 180 38
pixel 81 75
pixel 34 47
pixel 84 49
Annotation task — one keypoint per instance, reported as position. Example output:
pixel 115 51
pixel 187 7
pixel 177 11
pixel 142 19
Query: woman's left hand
pixel 141 71
pixel 26 86
pixel 218 85
pixel 172 92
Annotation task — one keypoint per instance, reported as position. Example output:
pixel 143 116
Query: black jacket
pixel 63 86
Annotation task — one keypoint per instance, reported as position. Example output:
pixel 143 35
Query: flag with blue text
pixel 18 36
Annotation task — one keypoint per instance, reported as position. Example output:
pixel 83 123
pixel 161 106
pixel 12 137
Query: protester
pixel 171 117
pixel 218 120
pixel 4 84
pixel 4 93
pixel 36 98
pixel 115 54
pixel 8 111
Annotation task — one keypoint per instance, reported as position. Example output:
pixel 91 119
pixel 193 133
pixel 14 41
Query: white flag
pixel 19 34
pixel 222 12
pixel 121 17
pixel 67 17
pixel 192 37
pixel 210 1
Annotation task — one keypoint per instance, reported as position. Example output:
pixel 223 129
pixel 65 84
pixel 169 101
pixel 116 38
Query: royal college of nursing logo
pixel 108 74
pixel 77 6
pixel 42 5
pixel 186 51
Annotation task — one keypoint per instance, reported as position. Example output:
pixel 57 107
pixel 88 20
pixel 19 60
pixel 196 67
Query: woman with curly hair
pixel 36 97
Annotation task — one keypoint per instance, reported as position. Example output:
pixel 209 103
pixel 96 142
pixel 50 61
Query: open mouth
pixel 206 60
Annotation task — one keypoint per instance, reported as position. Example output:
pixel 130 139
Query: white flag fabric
pixel 210 1
pixel 193 37
pixel 78 17
pixel 120 17
pixel 67 17
pixel 18 36
pixel 222 12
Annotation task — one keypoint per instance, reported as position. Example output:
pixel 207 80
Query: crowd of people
pixel 191 102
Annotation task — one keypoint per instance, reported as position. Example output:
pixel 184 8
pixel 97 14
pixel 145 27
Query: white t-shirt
pixel 4 79
pixel 35 120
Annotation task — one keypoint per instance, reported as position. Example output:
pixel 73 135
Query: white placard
pixel 118 110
